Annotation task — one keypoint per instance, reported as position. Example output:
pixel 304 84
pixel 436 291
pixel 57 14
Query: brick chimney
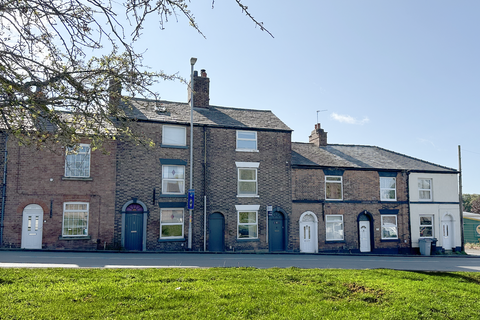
pixel 318 136
pixel 201 90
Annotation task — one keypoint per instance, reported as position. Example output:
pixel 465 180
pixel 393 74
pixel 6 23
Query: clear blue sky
pixel 401 75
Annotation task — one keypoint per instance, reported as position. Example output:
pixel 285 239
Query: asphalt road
pixel 45 259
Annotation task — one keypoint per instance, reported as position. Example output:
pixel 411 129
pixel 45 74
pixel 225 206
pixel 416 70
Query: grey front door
pixel 216 232
pixel 276 232
pixel 134 227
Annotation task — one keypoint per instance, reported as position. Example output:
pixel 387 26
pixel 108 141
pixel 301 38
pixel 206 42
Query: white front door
pixel 308 233
pixel 32 227
pixel 364 228
pixel 447 236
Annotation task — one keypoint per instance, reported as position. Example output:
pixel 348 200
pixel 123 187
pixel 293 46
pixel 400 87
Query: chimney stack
pixel 318 136
pixel 201 90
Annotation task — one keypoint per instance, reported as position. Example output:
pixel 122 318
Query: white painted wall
pixel 444 202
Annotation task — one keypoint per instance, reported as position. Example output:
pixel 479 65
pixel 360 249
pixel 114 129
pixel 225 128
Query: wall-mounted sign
pixel 269 210
pixel 191 198
pixel 478 230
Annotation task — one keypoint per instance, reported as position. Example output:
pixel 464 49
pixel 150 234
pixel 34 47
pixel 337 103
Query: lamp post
pixel 192 63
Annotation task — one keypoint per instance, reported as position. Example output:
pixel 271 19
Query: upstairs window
pixel 77 161
pixel 425 189
pixel 174 136
pixel 333 188
pixel 246 141
pixel 388 189
pixel 247 181
pixel 173 179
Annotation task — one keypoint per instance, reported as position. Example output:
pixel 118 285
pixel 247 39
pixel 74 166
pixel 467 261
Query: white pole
pixel 192 63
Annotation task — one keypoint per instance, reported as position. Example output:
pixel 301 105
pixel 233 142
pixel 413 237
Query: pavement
pixel 473 252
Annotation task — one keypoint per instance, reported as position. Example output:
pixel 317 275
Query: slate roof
pixel 177 112
pixel 360 157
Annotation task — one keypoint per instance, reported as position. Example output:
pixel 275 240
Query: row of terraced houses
pixel 255 190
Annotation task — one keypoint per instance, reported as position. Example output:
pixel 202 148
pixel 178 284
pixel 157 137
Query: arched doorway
pixel 216 232
pixel 134 225
pixel 32 227
pixel 276 231
pixel 447 232
pixel 364 231
pixel 308 232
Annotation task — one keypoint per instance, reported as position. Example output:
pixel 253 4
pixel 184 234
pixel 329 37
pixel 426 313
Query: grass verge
pixel 237 293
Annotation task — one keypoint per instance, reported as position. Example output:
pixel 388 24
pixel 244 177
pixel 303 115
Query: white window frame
pixel 327 181
pixel 429 190
pixel 251 209
pixel 172 223
pixel 165 135
pixel 65 210
pixel 247 166
pixel 78 156
pixel 382 198
pixel 432 225
pixel 382 226
pixel 333 229
pixel 164 180
pixel 246 139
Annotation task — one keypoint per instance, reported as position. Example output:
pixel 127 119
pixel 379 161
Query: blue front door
pixel 276 232
pixel 134 227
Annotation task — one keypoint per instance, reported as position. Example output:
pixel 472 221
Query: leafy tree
pixel 476 205
pixel 468 200
pixel 50 92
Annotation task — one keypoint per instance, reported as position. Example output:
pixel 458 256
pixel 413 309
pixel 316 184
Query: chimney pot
pixel 204 73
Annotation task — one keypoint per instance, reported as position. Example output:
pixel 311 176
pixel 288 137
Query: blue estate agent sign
pixel 191 198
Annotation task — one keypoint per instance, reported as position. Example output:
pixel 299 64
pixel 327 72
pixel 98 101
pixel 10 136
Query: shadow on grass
pixel 457 276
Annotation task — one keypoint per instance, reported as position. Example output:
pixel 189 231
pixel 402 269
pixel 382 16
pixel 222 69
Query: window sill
pixel 76 179
pixel 245 150
pixel 172 146
pixel 173 196
pixel 248 240
pixel 334 241
pixel 171 240
pixel 388 200
pixel 74 238
pixel 248 196
pixel 389 240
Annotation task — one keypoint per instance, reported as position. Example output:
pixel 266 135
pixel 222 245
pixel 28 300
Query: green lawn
pixel 237 293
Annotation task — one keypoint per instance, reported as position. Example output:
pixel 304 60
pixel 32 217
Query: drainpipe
pixel 4 187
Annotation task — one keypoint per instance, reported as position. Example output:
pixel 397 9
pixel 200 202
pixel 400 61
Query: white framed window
pixel 333 188
pixel 426 226
pixel 388 189
pixel 75 219
pixel 246 140
pixel 247 179
pixel 173 179
pixel 247 224
pixel 334 227
pixel 171 223
pixel 77 161
pixel 425 189
pixel 389 227
pixel 174 135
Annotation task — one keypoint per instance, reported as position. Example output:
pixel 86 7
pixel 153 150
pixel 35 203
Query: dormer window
pixel 246 141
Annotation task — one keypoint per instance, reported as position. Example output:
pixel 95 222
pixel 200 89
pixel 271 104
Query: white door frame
pixel 32 227
pixel 312 228
pixel 367 245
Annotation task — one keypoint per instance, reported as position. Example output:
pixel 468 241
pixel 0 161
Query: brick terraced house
pixel 354 198
pixel 59 199
pixel 241 178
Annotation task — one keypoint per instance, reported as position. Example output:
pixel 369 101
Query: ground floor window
pixel 75 219
pixel 334 226
pixel 171 223
pixel 389 227
pixel 426 226
pixel 247 224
